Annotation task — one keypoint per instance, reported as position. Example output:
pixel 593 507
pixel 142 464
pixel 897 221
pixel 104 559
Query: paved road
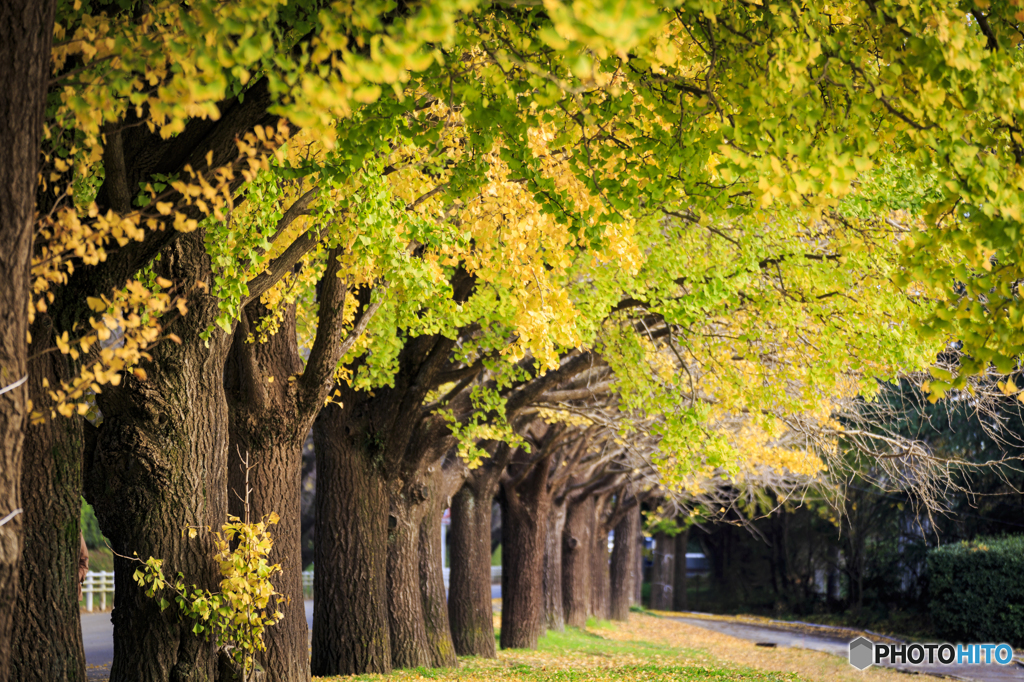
pixel 834 642
pixel 98 637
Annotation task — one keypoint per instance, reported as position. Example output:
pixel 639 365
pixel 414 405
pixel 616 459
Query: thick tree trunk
pixel 350 608
pixel 679 596
pixel 409 645
pixel 444 479
pixel 600 585
pixel 469 581
pixel 367 457
pixel 160 464
pixel 578 541
pixel 267 430
pixel 27 28
pixel 624 567
pixel 523 527
pixel 417 605
pixel 554 608
pixel 662 572
pixel 47 643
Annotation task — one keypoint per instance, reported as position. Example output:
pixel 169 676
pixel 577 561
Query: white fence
pixel 98 584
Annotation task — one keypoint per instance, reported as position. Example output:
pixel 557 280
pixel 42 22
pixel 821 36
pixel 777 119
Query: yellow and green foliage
pixel 748 171
pixel 237 615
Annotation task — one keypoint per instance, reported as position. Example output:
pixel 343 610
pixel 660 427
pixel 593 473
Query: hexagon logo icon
pixel 862 653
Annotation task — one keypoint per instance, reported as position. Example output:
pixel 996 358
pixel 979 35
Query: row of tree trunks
pixel 27 27
pixel 372 449
pixel 625 563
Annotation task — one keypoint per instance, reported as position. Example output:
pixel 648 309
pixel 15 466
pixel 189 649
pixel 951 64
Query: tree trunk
pixel 160 464
pixel 624 568
pixel 600 586
pixel 267 428
pixel 409 645
pixel 273 402
pixel 469 580
pixel 47 644
pixel 554 608
pixel 638 587
pixel 363 551
pixel 577 544
pixel 522 564
pixel 350 609
pixel 27 27
pixel 679 596
pixel 445 479
pixel 662 573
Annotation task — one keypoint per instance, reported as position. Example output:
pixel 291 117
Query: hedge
pixel 977 590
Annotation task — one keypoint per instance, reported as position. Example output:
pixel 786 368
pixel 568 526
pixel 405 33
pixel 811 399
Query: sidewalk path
pixel 836 641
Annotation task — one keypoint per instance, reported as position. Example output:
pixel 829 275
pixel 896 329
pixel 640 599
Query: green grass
pixel 585 656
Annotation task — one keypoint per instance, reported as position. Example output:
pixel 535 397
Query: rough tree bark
pixel 523 527
pixel 528 490
pixel 577 544
pixel 600 585
pixel 27 27
pixel 366 441
pixel 469 584
pixel 554 601
pixel 625 562
pixel 409 645
pixel 446 478
pixel 662 572
pixel 266 432
pixel 272 403
pixel 350 614
pixel 638 588
pixel 679 596
pixel 417 608
pixel 160 464
pixel 47 643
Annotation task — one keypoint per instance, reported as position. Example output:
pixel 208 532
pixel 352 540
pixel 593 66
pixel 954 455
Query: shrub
pixel 977 591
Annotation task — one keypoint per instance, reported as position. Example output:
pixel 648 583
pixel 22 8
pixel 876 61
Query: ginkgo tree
pixel 158 114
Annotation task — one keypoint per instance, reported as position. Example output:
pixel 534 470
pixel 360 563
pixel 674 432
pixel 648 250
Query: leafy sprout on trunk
pixel 237 616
